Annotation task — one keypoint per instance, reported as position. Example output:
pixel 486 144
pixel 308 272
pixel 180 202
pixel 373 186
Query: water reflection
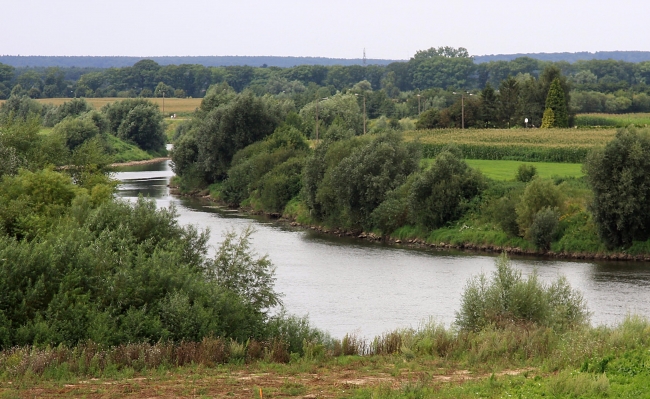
pixel 347 285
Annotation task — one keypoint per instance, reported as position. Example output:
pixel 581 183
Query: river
pixel 347 285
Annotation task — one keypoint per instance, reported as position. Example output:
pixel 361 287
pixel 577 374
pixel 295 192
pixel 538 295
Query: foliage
pixel 443 192
pixel 556 101
pixel 343 107
pixel 544 228
pixel 143 125
pixel 72 108
pixel 20 108
pixel 429 119
pixel 619 178
pixel 539 194
pixel 236 268
pixel 548 120
pixel 128 273
pixel 229 128
pixel 76 131
pixel 525 173
pixel 507 299
pixel 261 166
pixel 357 184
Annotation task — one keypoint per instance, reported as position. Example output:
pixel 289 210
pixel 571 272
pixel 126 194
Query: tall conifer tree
pixel 556 101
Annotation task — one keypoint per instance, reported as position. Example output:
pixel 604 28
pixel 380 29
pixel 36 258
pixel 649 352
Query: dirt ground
pixel 245 383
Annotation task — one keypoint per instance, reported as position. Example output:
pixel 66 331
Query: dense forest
pixel 399 89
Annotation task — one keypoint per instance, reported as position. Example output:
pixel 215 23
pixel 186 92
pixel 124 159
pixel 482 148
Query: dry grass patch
pixel 172 105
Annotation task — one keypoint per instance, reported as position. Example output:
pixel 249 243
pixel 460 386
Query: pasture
pixel 506 170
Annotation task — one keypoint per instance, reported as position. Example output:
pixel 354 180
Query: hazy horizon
pixel 387 29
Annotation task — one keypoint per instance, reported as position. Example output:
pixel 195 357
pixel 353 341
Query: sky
pixel 387 29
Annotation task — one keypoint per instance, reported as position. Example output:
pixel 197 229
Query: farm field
pixel 531 145
pixel 172 105
pixel 506 170
pixel 613 120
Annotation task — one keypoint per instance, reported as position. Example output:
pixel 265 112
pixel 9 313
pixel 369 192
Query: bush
pixel 619 176
pixel 443 192
pixel 280 185
pixel 505 214
pixel 525 173
pixel 76 131
pixel 143 125
pixel 360 182
pixel 508 299
pixel 544 227
pixel 539 194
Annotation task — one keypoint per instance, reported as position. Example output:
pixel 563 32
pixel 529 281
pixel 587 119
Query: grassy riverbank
pixel 518 361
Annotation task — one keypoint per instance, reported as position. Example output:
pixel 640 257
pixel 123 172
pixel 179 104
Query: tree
pixel 443 192
pixel 619 176
pixel 488 107
pixel 429 119
pixel 143 125
pixel 508 99
pixel 548 120
pixel 76 131
pixel 447 52
pixel 539 194
pixel 556 101
pixel 361 180
pixel 231 127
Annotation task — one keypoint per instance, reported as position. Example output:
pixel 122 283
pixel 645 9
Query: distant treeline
pixel 432 78
pixel 208 61
pixel 627 56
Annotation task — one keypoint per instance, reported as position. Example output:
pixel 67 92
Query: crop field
pixel 530 145
pixel 613 120
pixel 172 105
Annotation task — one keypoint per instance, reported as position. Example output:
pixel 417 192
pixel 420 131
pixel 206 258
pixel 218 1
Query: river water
pixel 350 286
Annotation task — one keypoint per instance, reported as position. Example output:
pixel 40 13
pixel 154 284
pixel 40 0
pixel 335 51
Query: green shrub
pixel 443 192
pixel 620 179
pixel 505 215
pixel 508 299
pixel 544 228
pixel 539 194
pixel 525 173
pixel 280 185
pixel 76 131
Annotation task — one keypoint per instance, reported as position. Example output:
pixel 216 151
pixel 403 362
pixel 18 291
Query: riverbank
pixel 518 360
pixel 454 237
pixel 143 162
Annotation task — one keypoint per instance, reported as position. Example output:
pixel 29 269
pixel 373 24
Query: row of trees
pixel 253 150
pixel 138 121
pixel 441 68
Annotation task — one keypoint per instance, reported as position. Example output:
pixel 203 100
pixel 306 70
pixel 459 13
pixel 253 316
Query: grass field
pixel 613 120
pixel 172 105
pixel 541 145
pixel 506 170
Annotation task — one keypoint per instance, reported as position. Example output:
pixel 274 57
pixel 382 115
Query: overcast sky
pixel 388 29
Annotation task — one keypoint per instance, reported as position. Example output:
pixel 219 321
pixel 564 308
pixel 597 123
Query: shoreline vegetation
pixel 292 220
